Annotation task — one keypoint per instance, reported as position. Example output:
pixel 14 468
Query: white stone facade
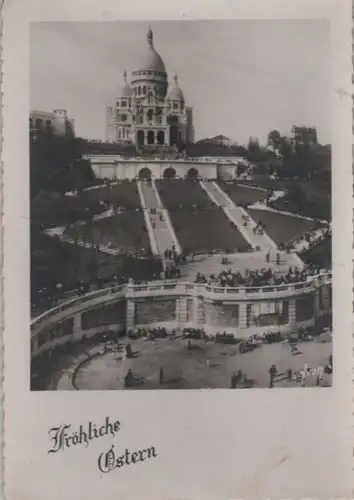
pixel 115 168
pixel 147 113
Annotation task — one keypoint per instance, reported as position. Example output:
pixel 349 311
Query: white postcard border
pixel 284 443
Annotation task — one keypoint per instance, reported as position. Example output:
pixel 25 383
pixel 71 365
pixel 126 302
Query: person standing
pixel 272 372
pixel 234 381
pixel 238 377
pixel 161 375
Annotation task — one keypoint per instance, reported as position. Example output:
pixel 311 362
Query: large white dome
pixel 150 60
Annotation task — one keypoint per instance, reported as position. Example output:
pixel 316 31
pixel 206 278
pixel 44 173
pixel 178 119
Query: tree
pixel 254 149
pixel 285 146
pixel 56 163
pixel 274 139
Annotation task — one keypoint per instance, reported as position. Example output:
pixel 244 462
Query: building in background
pixel 148 112
pixel 221 140
pixel 55 122
pixel 304 136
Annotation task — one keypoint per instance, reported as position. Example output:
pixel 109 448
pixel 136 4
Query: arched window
pixel 158 118
pixel 139 90
pixel 39 123
pixel 160 137
pixel 151 137
pixel 144 90
pixel 140 137
pixel 150 115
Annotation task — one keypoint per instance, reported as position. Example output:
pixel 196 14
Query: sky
pixel 242 77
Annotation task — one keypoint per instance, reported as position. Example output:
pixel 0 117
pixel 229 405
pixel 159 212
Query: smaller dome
pixel 175 94
pixel 125 90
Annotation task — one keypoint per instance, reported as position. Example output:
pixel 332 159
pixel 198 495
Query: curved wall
pixel 240 311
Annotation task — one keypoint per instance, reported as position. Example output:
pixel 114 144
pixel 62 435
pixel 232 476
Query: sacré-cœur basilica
pixel 149 112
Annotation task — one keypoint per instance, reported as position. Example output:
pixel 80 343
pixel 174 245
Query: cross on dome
pixel 150 37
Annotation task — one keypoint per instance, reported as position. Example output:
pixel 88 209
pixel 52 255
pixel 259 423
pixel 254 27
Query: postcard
pixel 177 234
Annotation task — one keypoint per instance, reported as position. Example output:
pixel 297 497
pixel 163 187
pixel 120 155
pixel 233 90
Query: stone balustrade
pixel 177 304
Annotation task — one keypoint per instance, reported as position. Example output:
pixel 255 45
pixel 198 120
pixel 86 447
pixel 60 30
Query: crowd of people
pixel 149 333
pixel 259 278
pixel 193 333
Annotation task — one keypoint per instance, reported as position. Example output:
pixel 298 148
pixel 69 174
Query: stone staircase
pixel 161 233
pixel 237 214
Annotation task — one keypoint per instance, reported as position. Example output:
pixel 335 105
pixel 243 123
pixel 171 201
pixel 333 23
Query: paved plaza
pixel 205 365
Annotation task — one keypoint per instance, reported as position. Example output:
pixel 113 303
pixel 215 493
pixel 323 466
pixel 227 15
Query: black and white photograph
pixel 177 249
pixel 180 205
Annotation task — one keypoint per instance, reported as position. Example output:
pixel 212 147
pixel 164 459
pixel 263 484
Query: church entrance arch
pixel 169 173
pixel 192 173
pixel 140 138
pixel 145 174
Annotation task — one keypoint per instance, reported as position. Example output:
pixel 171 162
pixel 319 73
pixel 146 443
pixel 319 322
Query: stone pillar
pixel 130 315
pixel 155 138
pixel 146 137
pixel 190 310
pixel 242 315
pixel 181 310
pixel 199 313
pixel 292 312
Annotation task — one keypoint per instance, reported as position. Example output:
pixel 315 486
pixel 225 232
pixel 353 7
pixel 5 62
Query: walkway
pixel 237 215
pixel 159 221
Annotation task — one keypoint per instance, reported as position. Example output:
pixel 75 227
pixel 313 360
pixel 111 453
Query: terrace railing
pixel 82 299
pixel 172 287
